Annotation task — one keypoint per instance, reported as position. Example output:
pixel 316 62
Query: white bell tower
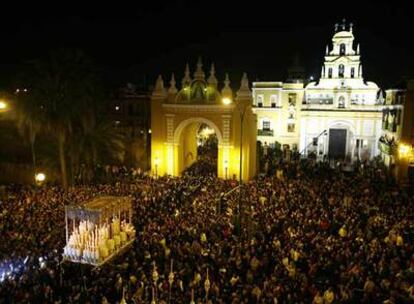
pixel 342 62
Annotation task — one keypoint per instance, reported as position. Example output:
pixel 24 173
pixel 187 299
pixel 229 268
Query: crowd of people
pixel 310 235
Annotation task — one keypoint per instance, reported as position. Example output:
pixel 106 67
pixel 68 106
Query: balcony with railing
pixel 319 101
pixel 387 148
pixel 391 127
pixel 265 132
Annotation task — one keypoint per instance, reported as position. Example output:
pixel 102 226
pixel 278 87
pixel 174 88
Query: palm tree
pixel 65 87
pixel 94 144
pixel 30 120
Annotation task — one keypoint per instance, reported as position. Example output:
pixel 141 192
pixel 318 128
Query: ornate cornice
pixel 193 108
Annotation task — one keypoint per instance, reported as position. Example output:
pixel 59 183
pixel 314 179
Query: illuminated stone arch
pixel 186 132
pixel 176 116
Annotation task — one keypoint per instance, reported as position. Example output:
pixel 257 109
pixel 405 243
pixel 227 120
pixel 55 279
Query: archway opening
pixel 199 144
pixel 207 144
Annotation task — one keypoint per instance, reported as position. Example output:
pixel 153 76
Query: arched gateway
pixel 176 117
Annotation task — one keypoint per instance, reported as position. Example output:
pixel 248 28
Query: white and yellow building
pixel 341 110
pixel 396 143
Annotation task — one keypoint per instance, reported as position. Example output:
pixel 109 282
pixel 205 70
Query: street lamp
pixel 403 150
pixel 242 111
pixel 226 101
pixel 40 178
pixel 3 105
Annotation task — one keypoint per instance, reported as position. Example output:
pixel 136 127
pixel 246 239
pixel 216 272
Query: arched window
pixel 330 73
pixel 342 49
pixel 352 72
pixel 341 71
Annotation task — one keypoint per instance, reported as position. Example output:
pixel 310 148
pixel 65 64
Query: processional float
pixel 98 230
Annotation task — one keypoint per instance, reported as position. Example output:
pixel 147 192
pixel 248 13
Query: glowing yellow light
pixel 40 177
pixel 3 105
pixel 206 132
pixel 149 131
pixel 156 161
pixel 226 101
pixel 404 150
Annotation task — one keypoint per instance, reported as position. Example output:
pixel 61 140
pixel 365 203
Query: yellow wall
pixel 158 150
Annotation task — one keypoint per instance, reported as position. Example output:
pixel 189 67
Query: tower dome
pixel 199 90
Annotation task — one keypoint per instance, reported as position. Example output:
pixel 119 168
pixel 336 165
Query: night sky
pixel 136 42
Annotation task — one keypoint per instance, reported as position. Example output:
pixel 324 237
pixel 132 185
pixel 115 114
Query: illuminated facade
pixel 338 116
pixel 177 114
pixel 397 138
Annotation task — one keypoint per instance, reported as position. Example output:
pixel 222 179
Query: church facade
pixel 338 116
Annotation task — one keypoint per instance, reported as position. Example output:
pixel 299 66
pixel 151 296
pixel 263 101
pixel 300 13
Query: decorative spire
pixel 244 90
pixel 212 80
pixel 351 25
pixel 227 91
pixel 336 27
pixel 343 24
pixel 172 89
pixel 199 73
pixel 244 82
pixel 357 49
pixel 227 81
pixel 380 97
pixel 186 79
pixel 327 50
pixel 322 72
pixel 159 90
pixel 159 84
